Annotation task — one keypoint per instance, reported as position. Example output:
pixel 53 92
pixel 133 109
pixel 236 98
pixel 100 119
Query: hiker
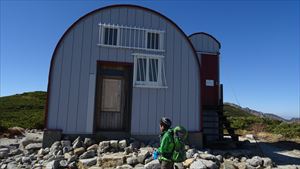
pixel 165 150
pixel 171 152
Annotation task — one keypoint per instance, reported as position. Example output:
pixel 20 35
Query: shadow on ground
pixel 282 152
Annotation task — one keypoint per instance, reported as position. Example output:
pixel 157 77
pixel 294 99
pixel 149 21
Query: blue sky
pixel 260 54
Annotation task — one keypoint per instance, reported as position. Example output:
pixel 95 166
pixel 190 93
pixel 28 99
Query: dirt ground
pixel 285 154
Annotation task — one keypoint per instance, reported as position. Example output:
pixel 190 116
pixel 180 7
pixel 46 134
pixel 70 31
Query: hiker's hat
pixel 166 121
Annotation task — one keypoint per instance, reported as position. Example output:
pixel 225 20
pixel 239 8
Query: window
pixel 153 40
pixel 131 37
pixel 110 35
pixel 149 71
pixel 141 69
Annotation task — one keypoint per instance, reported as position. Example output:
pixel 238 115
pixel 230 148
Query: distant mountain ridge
pixel 262 114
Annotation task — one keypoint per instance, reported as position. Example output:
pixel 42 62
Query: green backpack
pixel 180 136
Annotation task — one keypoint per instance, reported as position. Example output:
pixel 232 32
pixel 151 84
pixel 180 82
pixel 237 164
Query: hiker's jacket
pixel 166 147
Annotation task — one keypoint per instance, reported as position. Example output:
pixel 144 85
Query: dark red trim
pixel 204 33
pixel 107 7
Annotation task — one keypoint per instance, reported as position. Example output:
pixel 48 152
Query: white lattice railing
pixel 132 37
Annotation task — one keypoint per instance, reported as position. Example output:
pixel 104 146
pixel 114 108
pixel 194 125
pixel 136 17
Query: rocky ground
pixel 25 151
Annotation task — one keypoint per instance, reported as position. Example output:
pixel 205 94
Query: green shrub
pixel 289 130
pixel 24 110
pixel 241 120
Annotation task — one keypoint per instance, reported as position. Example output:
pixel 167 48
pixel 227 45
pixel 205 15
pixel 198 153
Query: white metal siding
pixel 204 43
pixel 70 104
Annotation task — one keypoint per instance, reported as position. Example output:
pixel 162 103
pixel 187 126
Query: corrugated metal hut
pixel 117 70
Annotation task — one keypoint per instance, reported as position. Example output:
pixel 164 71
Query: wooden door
pixel 112 102
pixel 113 98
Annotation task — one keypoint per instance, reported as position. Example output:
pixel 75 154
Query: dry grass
pixel 270 137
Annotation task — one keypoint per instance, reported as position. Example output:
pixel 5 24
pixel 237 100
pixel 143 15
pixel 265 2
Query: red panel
pixel 210 71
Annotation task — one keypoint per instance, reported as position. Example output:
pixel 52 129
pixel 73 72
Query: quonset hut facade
pixel 117 70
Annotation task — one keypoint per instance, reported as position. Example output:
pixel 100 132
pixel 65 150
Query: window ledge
pixel 151 86
pixel 126 47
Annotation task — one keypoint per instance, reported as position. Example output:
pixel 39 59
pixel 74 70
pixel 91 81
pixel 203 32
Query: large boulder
pixel 33 146
pixel 73 158
pixel 209 164
pixel 255 161
pixel 86 163
pixel 143 154
pixel 93 147
pixel 122 144
pixel 15 152
pixel 139 166
pixel 111 160
pixel 77 142
pixel 26 160
pixel 88 154
pixel 52 164
pixel 219 158
pixel 103 147
pixel 190 152
pixel 132 160
pixel 63 163
pixel 4 152
pixel 152 165
pixel 114 145
pixel 267 162
pixel 208 157
pixel 30 138
pixel 65 143
pixel 125 166
pixel 88 142
pixel 242 165
pixel 68 155
pixel 79 151
pixel 188 162
pixel 11 165
pixel 55 146
pixel 198 164
pixel 229 165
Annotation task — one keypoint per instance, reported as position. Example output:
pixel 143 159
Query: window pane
pixel 152 40
pixel 141 69
pixel 153 70
pixel 106 31
pixel 110 36
pixel 115 36
pixel 156 41
pixel 149 40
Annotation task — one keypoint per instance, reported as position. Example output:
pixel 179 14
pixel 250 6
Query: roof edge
pixel 204 33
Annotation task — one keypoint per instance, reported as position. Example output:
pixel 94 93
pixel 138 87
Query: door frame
pixel 128 99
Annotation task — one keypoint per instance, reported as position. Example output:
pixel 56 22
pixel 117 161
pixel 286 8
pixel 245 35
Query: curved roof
pixel 204 33
pixel 97 10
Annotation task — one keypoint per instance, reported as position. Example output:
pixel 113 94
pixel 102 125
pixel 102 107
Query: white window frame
pixel 159 39
pixel 138 33
pixel 147 83
pixel 102 39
